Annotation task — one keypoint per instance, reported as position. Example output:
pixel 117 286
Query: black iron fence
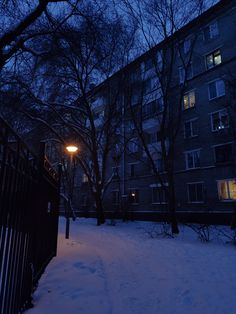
pixel 29 199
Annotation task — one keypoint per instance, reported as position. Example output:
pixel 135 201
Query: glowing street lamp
pixel 71 149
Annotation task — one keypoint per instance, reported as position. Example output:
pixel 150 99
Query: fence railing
pixel 29 201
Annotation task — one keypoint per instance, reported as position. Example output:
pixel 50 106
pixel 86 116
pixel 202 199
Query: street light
pixel 71 149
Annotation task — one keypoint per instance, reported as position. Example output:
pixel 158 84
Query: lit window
pixel 134 196
pixel 219 120
pixel 195 192
pixel 211 31
pixel 213 59
pixel 190 128
pixel 223 153
pixel 227 189
pixel 159 195
pixel 192 159
pixel 189 100
pixel 216 89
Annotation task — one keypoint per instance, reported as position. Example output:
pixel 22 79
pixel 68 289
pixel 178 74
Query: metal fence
pixel 29 199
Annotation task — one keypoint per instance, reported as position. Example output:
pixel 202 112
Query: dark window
pixel 115 197
pixel 192 159
pixel 148 64
pixel 211 31
pixel 188 75
pixel 115 172
pixel 132 170
pixel 190 128
pixel 159 195
pixel 84 200
pixel 153 107
pixel 216 89
pixel 223 153
pixel 160 164
pixel 219 120
pixel 195 192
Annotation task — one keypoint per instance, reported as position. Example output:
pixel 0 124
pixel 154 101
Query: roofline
pixel 222 5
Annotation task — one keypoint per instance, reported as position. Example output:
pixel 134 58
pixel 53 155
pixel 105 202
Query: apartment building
pixel 204 146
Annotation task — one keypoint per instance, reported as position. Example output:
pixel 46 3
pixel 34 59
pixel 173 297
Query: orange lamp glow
pixel 72 149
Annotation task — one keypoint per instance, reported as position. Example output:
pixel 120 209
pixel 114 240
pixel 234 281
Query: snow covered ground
pixel 122 270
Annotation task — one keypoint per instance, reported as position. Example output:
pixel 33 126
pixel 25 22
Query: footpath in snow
pixel 122 270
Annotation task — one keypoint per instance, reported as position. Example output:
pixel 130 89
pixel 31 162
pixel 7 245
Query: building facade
pixel 202 96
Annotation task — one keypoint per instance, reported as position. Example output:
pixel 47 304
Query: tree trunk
pixel 172 206
pixel 99 210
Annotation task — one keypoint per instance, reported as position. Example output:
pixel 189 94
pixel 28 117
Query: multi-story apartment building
pixel 204 147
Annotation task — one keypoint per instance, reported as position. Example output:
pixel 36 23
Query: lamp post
pixel 72 150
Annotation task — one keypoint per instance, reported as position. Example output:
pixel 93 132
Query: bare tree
pixel 55 87
pixel 20 24
pixel 161 84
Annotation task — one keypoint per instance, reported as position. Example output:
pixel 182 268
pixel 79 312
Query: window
pixel 84 200
pixel 219 120
pixel 223 153
pixel 153 107
pixel 148 64
pixel 135 75
pixel 189 73
pixel 151 138
pixel 133 145
pixel 227 189
pixel 84 178
pixel 159 164
pixel 130 126
pixel 115 172
pixel 159 59
pixel 211 31
pixel 134 196
pixel 216 89
pixel 151 84
pixel 213 59
pixel 132 168
pixel 190 128
pixel 192 159
pixel 134 98
pixel 195 192
pixel 115 196
pixel 186 45
pixel 159 195
pixel 189 100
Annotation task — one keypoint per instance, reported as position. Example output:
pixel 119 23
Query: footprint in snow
pixel 83 266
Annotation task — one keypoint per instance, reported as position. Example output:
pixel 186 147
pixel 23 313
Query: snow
pixel 122 270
